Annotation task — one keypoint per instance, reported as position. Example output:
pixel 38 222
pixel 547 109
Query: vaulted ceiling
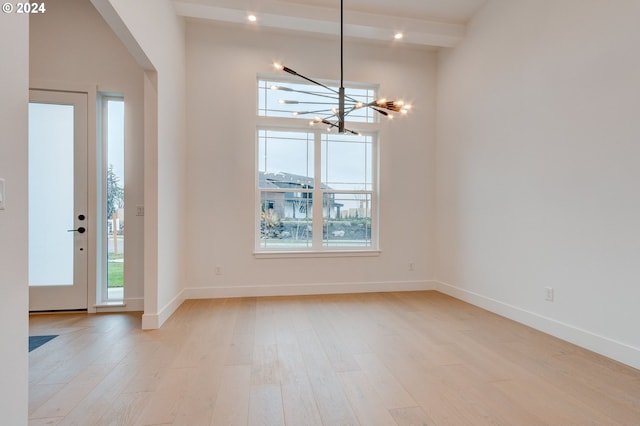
pixel 438 23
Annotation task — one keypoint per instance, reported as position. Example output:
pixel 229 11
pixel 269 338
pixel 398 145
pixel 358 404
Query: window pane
pixel 285 219
pixel 347 220
pixel 307 101
pixel 115 198
pixel 285 159
pixel 347 162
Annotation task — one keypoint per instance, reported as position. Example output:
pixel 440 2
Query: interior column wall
pixel 156 37
pixel 14 297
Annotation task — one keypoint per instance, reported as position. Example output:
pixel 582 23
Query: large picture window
pixel 315 190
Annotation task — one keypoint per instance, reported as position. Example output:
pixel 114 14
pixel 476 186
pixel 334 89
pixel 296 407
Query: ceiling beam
pixel 323 21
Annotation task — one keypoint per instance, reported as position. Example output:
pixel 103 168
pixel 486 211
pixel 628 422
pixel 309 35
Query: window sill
pixel 315 254
pixel 115 303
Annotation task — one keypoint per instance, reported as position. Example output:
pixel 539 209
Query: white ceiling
pixel 453 11
pixel 439 23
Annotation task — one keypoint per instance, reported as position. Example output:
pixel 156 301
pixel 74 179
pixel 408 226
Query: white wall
pixel 537 181
pixel 222 64
pixel 71 47
pixel 14 83
pixel 156 37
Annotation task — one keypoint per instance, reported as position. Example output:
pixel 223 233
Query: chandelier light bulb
pixel 252 18
pixel 346 103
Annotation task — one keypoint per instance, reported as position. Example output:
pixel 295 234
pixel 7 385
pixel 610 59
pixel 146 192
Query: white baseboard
pixel 155 321
pixel 613 349
pixel 150 322
pixel 305 289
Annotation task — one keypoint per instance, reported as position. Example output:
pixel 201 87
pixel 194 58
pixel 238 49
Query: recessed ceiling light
pixel 252 18
pixel 398 36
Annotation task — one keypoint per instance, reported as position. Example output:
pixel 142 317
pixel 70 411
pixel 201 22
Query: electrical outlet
pixel 548 294
pixel 411 266
pixel 139 210
pixel 218 270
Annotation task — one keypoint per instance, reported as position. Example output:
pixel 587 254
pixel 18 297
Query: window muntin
pixel 286 220
pixel 286 153
pixel 347 162
pixel 347 220
pixel 285 174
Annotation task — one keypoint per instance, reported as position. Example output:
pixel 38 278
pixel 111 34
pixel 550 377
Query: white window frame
pixel 318 247
pixel 102 291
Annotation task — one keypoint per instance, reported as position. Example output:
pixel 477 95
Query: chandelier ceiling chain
pixel 380 106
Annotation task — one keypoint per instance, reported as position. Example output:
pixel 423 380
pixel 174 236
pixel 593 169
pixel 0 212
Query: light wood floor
pixel 418 358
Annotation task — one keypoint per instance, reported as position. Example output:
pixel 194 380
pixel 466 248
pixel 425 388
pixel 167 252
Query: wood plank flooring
pixel 417 358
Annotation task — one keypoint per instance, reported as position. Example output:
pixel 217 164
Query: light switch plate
pixel 2 197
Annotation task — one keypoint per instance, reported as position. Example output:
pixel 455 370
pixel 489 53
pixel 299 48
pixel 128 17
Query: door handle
pixel 80 230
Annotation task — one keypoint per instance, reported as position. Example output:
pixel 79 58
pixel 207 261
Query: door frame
pixel 92 182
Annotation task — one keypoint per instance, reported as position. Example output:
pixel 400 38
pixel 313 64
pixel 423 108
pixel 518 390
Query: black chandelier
pixel 335 117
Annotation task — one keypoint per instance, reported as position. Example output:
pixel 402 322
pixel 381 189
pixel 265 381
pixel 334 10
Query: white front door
pixel 58 224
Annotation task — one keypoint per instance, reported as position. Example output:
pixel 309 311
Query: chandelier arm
pixel 314 94
pixel 350 111
pixel 385 113
pixel 288 89
pixel 312 112
pixel 290 71
pixel 337 92
pixel 347 97
pixel 308 103
pixel 331 125
pixel 344 100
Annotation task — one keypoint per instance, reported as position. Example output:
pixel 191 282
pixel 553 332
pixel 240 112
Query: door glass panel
pixel 51 194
